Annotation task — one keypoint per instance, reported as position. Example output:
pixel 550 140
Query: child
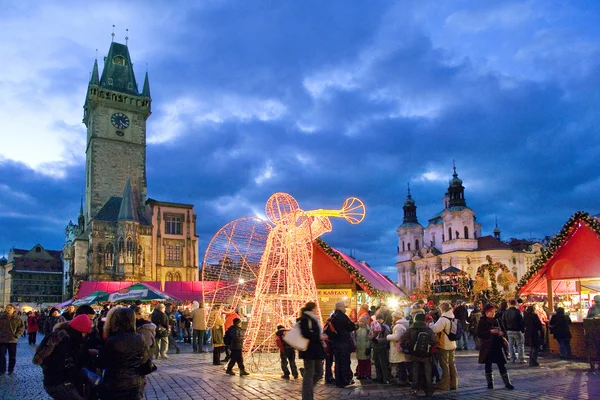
pixel 234 339
pixel 363 349
pixel 286 354
pixel 381 349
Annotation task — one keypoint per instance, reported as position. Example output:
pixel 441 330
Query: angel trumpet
pixel 353 210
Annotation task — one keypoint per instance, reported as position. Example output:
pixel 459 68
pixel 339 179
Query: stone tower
pixel 115 115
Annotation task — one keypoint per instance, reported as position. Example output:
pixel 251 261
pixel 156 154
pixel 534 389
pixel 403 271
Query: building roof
pixel 153 202
pixel 111 209
pixel 491 243
pixel 127 209
pixel 118 73
pixel 409 224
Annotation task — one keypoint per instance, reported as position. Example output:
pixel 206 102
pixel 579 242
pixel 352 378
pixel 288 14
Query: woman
pixel 314 354
pixel 217 337
pixel 363 311
pixel 533 330
pixel 559 326
pixel 32 327
pixel 492 342
pixel 121 356
pixel 473 320
pixel 363 348
pixel 397 356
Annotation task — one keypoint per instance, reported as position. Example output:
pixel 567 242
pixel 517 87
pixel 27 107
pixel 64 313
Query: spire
pixel 128 212
pixel 118 73
pixel 456 190
pixel 95 79
pixel 410 210
pixel 81 218
pixel 146 90
pixel 496 229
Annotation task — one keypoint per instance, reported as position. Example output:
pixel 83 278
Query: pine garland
pixel 491 268
pixel 557 242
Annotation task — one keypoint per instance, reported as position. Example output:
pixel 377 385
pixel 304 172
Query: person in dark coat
pixel 160 319
pixel 492 341
pixel 313 356
pixel 32 327
pixel 11 328
pixel 287 354
pixel 340 344
pixel 533 332
pixel 421 366
pixel 559 326
pixel 53 319
pixel 462 314
pixel 60 356
pixel 234 338
pixel 474 323
pixel 121 356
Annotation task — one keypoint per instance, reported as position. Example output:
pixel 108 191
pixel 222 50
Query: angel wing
pixel 231 264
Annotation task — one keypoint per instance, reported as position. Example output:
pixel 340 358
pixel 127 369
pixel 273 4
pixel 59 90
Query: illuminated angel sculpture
pixel 269 264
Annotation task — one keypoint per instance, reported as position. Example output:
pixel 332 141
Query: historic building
pixel 452 237
pixel 31 277
pixel 120 234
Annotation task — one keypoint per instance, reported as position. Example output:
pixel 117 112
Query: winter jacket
pixel 474 321
pixel 198 319
pixel 396 354
pixel 380 341
pixel 559 326
pixel 533 328
pixel 461 313
pixel 409 338
pixel 343 327
pixel 120 357
pixel 218 332
pixel 11 328
pixel 491 348
pixel 513 320
pixel 161 321
pixel 147 331
pixel 363 342
pixel 32 325
pixel 442 328
pixel 51 322
pixel 311 329
pixel 594 312
pixel 60 354
pixel 237 337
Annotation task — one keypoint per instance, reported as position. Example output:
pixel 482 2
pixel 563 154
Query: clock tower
pixel 115 115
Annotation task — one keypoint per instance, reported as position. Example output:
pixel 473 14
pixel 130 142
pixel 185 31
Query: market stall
pixel 567 273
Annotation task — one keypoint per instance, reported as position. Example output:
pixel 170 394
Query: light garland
pixel 491 268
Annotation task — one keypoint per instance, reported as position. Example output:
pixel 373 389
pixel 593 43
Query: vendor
pixel 594 312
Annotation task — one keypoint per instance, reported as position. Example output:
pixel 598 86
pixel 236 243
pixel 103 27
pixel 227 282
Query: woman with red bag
pixel 492 342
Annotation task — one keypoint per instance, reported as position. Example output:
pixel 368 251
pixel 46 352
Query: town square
pixel 304 200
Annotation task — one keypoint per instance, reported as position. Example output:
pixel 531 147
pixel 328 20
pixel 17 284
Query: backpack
pixel 329 329
pixel 456 329
pixel 422 346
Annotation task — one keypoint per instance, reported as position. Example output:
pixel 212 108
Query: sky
pixel 322 100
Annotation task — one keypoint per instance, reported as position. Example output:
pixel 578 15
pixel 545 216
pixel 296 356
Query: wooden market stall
pixel 568 270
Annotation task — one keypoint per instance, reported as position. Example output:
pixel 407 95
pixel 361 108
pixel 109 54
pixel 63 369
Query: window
pixel 449 233
pixel 417 247
pixel 403 247
pixel 408 246
pixel 119 60
pixel 466 232
pixel 108 256
pixel 130 250
pixel 174 253
pixel 177 277
pixel 173 225
pixel 169 276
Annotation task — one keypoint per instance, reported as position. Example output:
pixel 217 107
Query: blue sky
pixel 323 100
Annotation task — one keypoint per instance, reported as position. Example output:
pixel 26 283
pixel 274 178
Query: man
pixel 421 363
pixel 235 337
pixel 11 329
pixel 86 310
pixel 446 348
pixel 52 320
pixel 159 318
pixel 69 313
pixel 199 328
pixel 513 323
pixel 461 313
pixel 594 312
pixel 340 344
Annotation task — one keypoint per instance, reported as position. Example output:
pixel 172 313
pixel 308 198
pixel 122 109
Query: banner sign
pixel 130 295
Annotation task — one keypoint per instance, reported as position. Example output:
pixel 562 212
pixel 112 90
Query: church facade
pixel 120 233
pixel 452 238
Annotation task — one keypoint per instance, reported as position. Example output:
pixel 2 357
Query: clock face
pixel 119 120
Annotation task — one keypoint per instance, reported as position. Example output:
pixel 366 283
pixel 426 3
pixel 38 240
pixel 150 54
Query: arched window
pixel 408 246
pixel 403 246
pixel 169 276
pixel 100 248
pixel 109 255
pixel 130 250
pixel 417 245
pixel 140 254
pixel 177 277
pixel 120 244
pixel 433 239
pixel 449 233
pixel 466 232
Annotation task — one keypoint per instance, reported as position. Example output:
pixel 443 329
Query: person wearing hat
pixel 53 319
pixel 491 346
pixel 11 328
pixel 59 355
pixel 340 337
pixel 421 365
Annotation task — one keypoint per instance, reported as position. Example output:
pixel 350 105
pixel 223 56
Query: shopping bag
pixel 295 339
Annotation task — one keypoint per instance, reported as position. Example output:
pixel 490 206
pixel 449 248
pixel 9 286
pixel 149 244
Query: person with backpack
pixel 381 356
pixel 419 341
pixel 492 342
pixel 448 329
pixel 287 354
pixel 234 338
pixel 397 356
pixel 339 330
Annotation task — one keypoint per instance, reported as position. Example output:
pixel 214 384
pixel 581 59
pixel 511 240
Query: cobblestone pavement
pixel 192 376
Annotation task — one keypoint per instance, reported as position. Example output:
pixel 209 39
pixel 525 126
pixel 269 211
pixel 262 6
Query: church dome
pixel 3 261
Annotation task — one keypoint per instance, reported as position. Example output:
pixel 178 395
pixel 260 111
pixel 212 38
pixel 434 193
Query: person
pixel 186 326
pixel 60 356
pixel 11 329
pixel 397 357
pixel 384 309
pixel 474 318
pixel 502 310
pixel 492 342
pixel 42 322
pixel 229 317
pixel 594 311
pixel 363 310
pixel 421 364
pixel 461 314
pixel 173 328
pixel 121 356
pixel 32 327
pixel 69 313
pixel 533 330
pixel 446 348
pixel 340 344
pixel 199 326
pixel 329 356
pixel 218 337
pixel 381 356
pixel 313 356
pixel 512 320
pixel 287 354
pixel 235 339
pixel 160 319
pixel 363 349
pixel 147 331
pixel 541 313
pixel 559 326
pixel 52 320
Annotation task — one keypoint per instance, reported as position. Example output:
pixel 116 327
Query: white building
pixel 452 237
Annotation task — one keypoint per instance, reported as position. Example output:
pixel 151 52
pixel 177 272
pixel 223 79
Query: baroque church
pixel 121 235
pixel 453 238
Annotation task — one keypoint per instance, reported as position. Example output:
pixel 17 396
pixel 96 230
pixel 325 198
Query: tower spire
pixel 456 190
pixel 146 89
pixel 126 36
pixel 112 35
pixel 410 209
pixel 496 229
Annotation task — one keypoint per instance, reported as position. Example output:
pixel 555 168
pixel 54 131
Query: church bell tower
pixel 115 115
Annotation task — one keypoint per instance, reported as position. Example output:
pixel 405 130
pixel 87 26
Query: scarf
pixel 312 315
